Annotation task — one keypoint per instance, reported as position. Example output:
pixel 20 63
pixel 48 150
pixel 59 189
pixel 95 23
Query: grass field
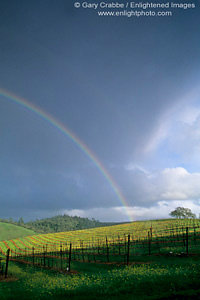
pixel 153 278
pixel 9 231
pixel 147 276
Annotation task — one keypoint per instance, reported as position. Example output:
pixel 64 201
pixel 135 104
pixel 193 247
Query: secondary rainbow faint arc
pixel 67 132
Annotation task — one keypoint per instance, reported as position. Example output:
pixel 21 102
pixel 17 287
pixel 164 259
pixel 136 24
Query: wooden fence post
pixel 44 256
pixel 70 256
pixel 107 249
pixel 61 257
pixel 7 260
pixel 151 231
pixel 75 252
pixel 33 256
pixel 82 252
pixel 195 236
pixel 149 243
pixel 187 240
pixel 128 250
pixel 183 236
pixel 125 242
pixel 98 246
pixel 119 244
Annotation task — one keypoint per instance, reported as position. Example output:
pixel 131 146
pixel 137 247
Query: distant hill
pixel 59 223
pixel 11 231
pixel 64 223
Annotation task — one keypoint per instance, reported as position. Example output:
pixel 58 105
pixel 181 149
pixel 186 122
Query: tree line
pixel 58 223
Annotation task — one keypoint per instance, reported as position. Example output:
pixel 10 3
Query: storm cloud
pixel 127 87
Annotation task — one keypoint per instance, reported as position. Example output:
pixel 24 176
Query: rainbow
pixel 67 132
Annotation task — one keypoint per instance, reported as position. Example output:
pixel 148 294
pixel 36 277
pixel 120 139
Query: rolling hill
pixel 58 223
pixel 10 231
pixel 139 231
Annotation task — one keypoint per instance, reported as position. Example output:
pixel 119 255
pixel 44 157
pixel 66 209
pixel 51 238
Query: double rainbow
pixel 68 133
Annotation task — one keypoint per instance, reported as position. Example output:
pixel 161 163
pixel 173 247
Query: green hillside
pixel 58 223
pixel 9 231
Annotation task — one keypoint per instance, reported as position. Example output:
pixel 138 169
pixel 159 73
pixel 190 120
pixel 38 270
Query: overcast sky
pixel 128 88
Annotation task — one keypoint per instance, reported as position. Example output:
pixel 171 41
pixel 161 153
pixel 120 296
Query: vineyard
pixel 114 244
